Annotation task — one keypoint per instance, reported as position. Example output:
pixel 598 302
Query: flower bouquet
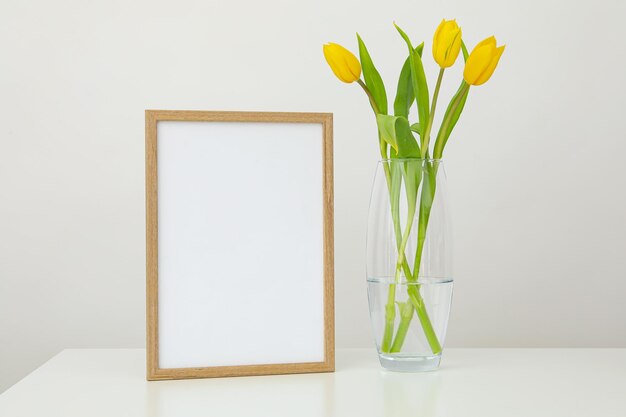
pixel 408 231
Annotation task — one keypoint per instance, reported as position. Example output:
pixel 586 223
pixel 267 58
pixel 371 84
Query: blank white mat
pixel 240 243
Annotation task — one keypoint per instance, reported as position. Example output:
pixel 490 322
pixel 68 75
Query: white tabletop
pixel 471 382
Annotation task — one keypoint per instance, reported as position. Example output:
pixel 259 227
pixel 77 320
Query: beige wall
pixel 536 165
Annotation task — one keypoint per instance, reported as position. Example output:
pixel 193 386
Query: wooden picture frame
pixel 167 129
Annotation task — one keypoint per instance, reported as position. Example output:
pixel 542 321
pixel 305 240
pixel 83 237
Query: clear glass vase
pixel 409 277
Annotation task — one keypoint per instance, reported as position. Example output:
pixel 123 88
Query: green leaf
pixel 395 130
pixel 418 78
pixel 464 49
pixel 404 93
pixel 429 186
pixel 453 112
pixel 412 181
pixel 415 127
pixel 394 194
pixel 372 78
pixel 419 49
pixel 387 129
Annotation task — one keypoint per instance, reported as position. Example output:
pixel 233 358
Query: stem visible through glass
pixel 416 302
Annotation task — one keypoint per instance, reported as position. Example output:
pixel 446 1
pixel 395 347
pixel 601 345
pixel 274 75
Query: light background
pixel 536 165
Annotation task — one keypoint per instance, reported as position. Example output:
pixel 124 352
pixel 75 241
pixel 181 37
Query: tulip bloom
pixel 344 64
pixel 447 43
pixel 482 62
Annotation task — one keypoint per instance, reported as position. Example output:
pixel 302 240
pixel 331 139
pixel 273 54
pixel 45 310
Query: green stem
pixel 426 201
pixel 422 314
pixel 406 314
pixel 413 290
pixel 403 243
pixel 390 318
pixel 390 309
pixel 429 125
pixel 429 185
pixel 369 95
pixel 412 181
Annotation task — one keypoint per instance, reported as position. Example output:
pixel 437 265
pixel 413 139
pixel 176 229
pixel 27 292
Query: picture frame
pixel 239 243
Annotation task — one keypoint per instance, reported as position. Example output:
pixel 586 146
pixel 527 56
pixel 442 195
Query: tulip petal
pixel 477 62
pixel 488 41
pixel 444 43
pixel 331 60
pixel 342 62
pixel 436 38
pixel 488 72
pixel 455 48
pixel 453 43
pixel 352 64
pixel 446 47
pixel 482 61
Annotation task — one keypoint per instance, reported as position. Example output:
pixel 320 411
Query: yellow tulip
pixel 447 43
pixel 482 62
pixel 344 64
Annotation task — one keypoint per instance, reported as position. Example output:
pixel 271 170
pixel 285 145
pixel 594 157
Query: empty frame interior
pixel 239 243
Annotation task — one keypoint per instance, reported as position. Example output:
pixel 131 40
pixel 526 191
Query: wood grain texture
pixel 152 247
pixel 154 372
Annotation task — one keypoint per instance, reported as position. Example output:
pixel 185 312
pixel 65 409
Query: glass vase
pixel 409 277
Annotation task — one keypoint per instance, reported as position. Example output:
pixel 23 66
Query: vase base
pixel 400 363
